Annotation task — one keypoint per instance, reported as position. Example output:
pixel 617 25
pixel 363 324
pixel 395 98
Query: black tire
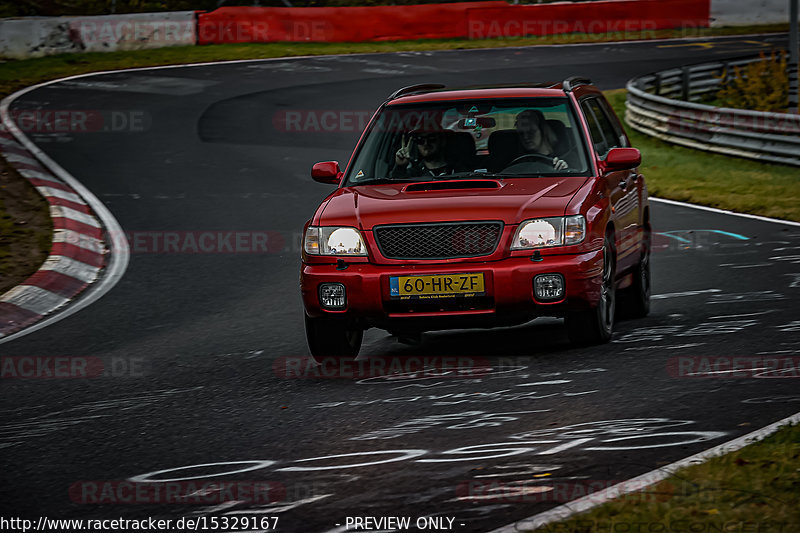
pixel 637 296
pixel 595 325
pixel 333 337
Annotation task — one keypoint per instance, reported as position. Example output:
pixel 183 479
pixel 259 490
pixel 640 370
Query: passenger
pixel 537 137
pixel 430 146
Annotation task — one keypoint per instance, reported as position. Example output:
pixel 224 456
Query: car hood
pixel 509 200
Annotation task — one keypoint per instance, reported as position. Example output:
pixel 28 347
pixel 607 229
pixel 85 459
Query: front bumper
pixel 509 296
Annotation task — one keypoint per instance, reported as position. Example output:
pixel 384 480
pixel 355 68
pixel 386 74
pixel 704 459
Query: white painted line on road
pixel 553 382
pixel 742 315
pixel 637 484
pixel 725 212
pixel 736 265
pixel 681 294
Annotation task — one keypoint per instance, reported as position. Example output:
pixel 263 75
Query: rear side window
pixel 618 130
pixel 604 135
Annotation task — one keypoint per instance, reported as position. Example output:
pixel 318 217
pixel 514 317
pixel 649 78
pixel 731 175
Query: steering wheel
pixel 536 158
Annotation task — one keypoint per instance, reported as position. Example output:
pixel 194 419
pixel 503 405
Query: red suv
pixel 479 207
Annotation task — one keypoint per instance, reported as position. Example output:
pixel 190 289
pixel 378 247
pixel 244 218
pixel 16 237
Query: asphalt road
pixel 200 351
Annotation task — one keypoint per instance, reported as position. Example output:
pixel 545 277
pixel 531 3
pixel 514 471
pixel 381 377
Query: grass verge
pixel 714 180
pixel 756 489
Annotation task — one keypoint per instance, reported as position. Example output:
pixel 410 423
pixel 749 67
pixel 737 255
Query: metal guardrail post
pixel 685 84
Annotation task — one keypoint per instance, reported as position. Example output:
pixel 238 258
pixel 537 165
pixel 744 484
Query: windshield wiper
pixel 383 181
pixel 486 175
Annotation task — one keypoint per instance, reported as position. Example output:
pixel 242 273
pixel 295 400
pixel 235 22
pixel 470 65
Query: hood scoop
pixel 451 185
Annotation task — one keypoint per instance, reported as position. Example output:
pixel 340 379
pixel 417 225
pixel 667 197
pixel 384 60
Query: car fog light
pixel 332 296
pixel 548 287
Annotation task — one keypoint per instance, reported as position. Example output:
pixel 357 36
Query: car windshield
pixel 471 138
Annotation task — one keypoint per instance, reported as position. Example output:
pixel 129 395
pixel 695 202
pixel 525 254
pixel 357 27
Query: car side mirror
pixel 623 158
pixel 327 172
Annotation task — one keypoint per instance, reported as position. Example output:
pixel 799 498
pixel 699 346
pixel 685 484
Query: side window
pixel 598 139
pixel 612 138
pixel 618 129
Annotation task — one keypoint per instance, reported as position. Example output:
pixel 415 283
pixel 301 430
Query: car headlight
pixel 333 240
pixel 552 231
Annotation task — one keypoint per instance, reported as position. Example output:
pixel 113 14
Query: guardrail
pixel 652 109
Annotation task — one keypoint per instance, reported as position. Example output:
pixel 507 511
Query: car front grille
pixel 438 241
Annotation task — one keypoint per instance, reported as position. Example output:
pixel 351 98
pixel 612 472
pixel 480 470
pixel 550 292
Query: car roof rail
pixel 419 88
pixel 570 83
pixel 519 85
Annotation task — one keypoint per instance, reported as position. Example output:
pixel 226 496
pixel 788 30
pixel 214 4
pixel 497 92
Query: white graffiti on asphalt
pixel 480 372
pixel 757 296
pixel 564 438
pixel 465 420
pixel 658 333
pixel 455 398
pixel 617 431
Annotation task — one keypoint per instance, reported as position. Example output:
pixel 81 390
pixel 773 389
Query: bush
pixel 762 85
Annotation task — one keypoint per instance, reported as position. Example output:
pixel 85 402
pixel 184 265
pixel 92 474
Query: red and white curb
pixel 89 252
pixel 77 254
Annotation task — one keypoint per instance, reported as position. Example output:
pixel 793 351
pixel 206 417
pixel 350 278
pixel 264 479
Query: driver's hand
pixel 403 155
pixel 559 164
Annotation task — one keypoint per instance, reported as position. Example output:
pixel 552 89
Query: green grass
pixel 15 74
pixel 754 489
pixel 714 180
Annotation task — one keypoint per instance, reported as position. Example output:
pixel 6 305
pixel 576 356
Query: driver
pixel 432 162
pixel 537 137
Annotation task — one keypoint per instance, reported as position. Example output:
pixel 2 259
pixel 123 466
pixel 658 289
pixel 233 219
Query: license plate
pixel 436 286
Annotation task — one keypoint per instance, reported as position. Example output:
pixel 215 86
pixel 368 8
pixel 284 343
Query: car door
pixel 621 184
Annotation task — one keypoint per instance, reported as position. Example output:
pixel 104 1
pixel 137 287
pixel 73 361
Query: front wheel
pixel 333 337
pixel 595 325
